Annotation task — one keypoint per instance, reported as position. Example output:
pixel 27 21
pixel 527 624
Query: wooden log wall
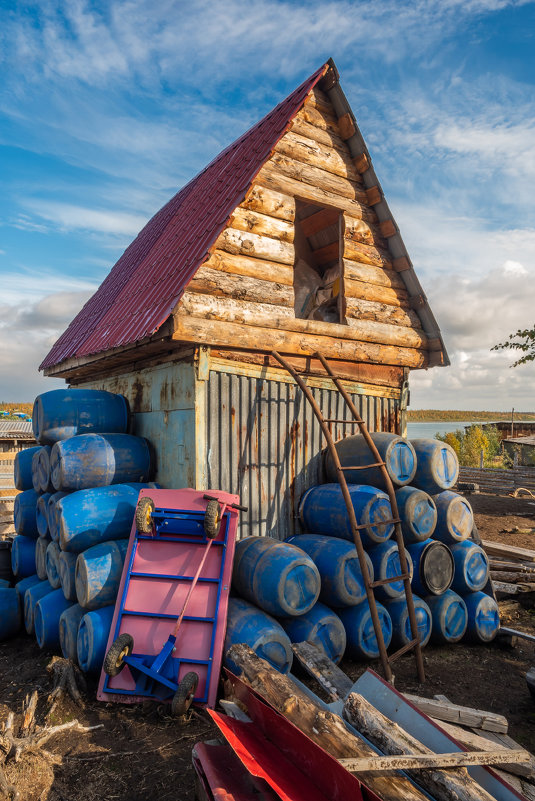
pixel 243 297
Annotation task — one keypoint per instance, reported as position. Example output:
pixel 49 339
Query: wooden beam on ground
pixel 328 675
pixel 508 551
pixel 457 759
pixel 464 715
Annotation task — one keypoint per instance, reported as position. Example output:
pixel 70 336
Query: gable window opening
pixel 318 268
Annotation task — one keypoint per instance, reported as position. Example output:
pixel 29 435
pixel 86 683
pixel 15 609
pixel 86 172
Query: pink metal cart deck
pixel 158 573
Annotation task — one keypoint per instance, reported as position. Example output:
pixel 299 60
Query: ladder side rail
pixel 350 511
pixel 395 513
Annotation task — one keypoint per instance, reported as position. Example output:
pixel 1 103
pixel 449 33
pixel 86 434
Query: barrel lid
pixel 420 514
pixel 436 567
pixel 445 464
pixel 400 461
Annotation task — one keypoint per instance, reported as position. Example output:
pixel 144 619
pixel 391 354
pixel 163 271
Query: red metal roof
pixel 145 285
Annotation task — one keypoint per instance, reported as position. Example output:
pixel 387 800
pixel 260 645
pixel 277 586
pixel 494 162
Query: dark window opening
pixel 318 269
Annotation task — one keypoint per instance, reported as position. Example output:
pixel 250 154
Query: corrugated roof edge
pixel 396 246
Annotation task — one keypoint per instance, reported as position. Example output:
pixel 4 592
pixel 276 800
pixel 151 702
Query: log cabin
pixel 284 242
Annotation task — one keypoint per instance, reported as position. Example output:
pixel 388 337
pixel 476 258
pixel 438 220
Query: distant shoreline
pixel 454 415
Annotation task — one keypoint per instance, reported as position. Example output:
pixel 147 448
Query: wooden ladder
pixel 386 659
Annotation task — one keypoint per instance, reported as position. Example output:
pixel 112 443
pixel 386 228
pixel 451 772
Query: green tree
pixel 524 340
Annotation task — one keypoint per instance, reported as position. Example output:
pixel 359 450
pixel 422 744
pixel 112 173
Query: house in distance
pixel 284 242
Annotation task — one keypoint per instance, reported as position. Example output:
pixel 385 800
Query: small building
pixel 284 242
pixel 15 435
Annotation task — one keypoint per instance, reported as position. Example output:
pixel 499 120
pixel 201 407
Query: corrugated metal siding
pixel 264 443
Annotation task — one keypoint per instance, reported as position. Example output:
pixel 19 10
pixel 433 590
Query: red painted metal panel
pixel 147 282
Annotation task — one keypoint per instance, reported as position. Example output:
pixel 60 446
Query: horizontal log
pixel 466 716
pixel 382 294
pixel 265 315
pixel 320 99
pixel 381 312
pixel 262 224
pixel 215 282
pixel 360 271
pixel 361 231
pixel 267 201
pixel 324 136
pixel 273 179
pixel 316 154
pixel 357 251
pixel 236 264
pixel 249 244
pixel 375 375
pixel 215 332
pixel 316 176
pixel 425 761
pixel 319 119
pixel 509 551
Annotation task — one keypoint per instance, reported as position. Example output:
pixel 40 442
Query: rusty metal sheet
pixel 264 443
pixel 146 283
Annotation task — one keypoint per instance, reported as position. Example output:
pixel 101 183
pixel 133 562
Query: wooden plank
pixel 373 195
pixel 346 126
pixel 464 715
pixel 260 223
pixel 246 312
pixel 388 228
pixel 515 633
pixel 337 185
pixel 316 662
pixel 508 589
pixel 509 551
pixel 267 201
pixel 319 221
pixel 401 264
pixel 316 154
pixel 426 761
pixel 362 163
pixel 215 332
pixel 274 179
pixel 250 244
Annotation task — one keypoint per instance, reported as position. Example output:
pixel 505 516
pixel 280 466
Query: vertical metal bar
pixel 393 503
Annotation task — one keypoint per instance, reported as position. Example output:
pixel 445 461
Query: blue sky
pixel 107 108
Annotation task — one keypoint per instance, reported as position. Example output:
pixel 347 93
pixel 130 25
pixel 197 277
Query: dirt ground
pixel 141 752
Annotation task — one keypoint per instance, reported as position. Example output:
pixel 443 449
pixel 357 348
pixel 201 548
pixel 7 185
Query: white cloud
pixel 77 217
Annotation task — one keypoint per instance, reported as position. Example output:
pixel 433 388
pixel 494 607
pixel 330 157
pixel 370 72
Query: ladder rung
pixel 379 523
pixel 408 647
pixel 391 580
pixel 345 422
pixel 359 466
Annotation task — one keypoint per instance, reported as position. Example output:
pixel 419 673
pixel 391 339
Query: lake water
pixel 415 430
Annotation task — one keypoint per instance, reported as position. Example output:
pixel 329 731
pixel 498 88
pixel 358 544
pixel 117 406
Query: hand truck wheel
pixel 114 659
pixel 212 519
pixel 144 511
pixel 183 697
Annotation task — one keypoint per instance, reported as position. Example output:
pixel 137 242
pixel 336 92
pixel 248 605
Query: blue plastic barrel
pixel 4 583
pixel 418 514
pixel 95 515
pixel 342 583
pixel 483 617
pixel 450 617
pixel 54 514
pixel 401 626
pixel 322 510
pixel 361 639
pixel 48 611
pixel 43 470
pixel 97 460
pixel 68 631
pixel 41 516
pixel 93 633
pixel 279 578
pixel 5 561
pixel 25 513
pixel 22 468
pixel 437 465
pixel 41 546
pixel 396 452
pixel 455 519
pixel 10 614
pixel 432 567
pixel 320 626
pixel 248 624
pixel 31 596
pixel 67 574
pixel 471 567
pixel 63 413
pixel 52 564
pixel 386 565
pixel 98 573
pixel 35 470
pixel 23 556
pixel 23 585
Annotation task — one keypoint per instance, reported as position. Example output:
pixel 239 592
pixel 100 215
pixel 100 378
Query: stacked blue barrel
pixel 311 587
pixel 73 515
